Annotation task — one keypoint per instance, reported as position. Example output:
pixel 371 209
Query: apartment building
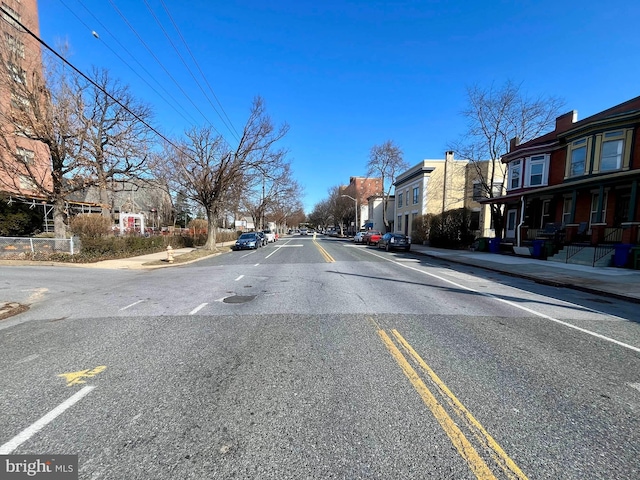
pixel 24 163
pixel 360 189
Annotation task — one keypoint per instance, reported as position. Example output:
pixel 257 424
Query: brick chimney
pixel 566 121
pixel 513 143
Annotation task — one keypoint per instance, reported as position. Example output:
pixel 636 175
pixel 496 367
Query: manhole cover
pixel 239 299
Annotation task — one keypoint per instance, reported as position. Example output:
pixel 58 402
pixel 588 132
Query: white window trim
pixel 536 160
pixel 513 166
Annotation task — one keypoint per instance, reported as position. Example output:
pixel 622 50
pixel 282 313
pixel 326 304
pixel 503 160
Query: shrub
pixel 19 219
pixel 420 228
pixel 90 225
pixel 451 229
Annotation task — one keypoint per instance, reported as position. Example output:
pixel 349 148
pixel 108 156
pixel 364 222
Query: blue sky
pixel 347 75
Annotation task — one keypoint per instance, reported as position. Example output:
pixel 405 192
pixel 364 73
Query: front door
pixel 510 230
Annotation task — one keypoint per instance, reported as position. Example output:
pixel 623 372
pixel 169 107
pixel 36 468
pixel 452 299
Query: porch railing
pixel 599 252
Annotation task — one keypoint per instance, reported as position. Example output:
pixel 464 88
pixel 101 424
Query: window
pixel 566 211
pixel 20 102
pixel 11 16
pixel 399 200
pixel 611 153
pixel 478 192
pixel 27 183
pixel 25 156
pixel 578 157
pixel 399 226
pixel 415 195
pixel 14 45
pixel 594 208
pixel 497 189
pixel 537 168
pixel 17 74
pixel 515 170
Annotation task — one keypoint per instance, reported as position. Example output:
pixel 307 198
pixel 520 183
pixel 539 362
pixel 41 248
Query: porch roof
pixel 611 178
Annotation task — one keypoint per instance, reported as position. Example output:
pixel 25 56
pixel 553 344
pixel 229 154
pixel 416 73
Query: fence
pixel 22 246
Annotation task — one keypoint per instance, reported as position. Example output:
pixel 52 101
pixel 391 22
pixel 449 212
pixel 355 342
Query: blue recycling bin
pixel 621 256
pixel 494 245
pixel 538 245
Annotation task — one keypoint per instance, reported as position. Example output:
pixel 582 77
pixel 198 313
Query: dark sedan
pixel 393 241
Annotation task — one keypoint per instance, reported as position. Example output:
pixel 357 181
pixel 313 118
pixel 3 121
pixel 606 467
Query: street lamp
pixel 356 228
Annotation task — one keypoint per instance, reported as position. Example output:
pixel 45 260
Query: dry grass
pixel 193 256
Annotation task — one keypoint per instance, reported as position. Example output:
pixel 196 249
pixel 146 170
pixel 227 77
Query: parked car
pixel 303 231
pixel 358 237
pixel 270 234
pixel 395 241
pixel 263 239
pixel 372 237
pixel 249 240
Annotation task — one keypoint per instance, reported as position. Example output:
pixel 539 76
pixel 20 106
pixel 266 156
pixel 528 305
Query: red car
pixel 372 237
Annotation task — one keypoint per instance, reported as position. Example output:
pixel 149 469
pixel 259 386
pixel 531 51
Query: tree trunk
pixel 59 225
pixel 211 231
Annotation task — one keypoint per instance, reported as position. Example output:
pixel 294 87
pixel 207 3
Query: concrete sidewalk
pixel 620 283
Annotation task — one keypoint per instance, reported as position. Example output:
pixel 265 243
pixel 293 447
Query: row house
pixel 576 185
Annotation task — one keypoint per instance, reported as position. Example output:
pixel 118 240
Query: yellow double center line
pixel 476 463
pixel 325 254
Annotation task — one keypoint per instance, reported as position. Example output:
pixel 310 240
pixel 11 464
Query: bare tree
pixel 212 174
pixel 386 161
pixel 274 190
pixel 39 134
pixel 115 136
pixel 495 116
pixel 321 214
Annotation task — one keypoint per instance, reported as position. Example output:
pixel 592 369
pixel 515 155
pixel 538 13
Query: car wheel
pixel 387 248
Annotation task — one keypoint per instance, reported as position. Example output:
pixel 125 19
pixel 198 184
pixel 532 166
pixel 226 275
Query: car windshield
pixel 247 236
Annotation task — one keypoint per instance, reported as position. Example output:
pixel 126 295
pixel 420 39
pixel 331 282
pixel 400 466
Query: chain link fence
pixel 16 247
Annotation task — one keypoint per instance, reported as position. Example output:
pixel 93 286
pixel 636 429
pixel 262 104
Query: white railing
pixel 22 246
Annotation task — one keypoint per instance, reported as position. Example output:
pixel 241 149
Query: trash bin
pixel 483 244
pixel 494 245
pixel 538 245
pixel 621 256
pixel 549 249
pixel 635 258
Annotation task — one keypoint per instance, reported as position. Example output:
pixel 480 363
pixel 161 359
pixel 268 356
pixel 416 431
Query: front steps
pixel 583 257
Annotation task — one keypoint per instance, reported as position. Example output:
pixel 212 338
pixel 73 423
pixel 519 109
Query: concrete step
pixel 583 257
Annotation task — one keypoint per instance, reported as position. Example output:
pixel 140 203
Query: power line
pixel 162 66
pixel 230 128
pixel 197 64
pixel 79 72
pixel 127 64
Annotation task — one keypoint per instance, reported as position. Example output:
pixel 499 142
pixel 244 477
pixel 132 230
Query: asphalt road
pixel 318 359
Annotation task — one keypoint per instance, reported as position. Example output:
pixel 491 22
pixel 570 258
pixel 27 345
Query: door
pixel 512 217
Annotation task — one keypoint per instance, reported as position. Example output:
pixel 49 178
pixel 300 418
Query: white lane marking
pixel 220 299
pixel 250 253
pixel 256 264
pixel 30 431
pixel 239 278
pixel 634 385
pixel 28 359
pixel 533 312
pixel 198 308
pixel 129 306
